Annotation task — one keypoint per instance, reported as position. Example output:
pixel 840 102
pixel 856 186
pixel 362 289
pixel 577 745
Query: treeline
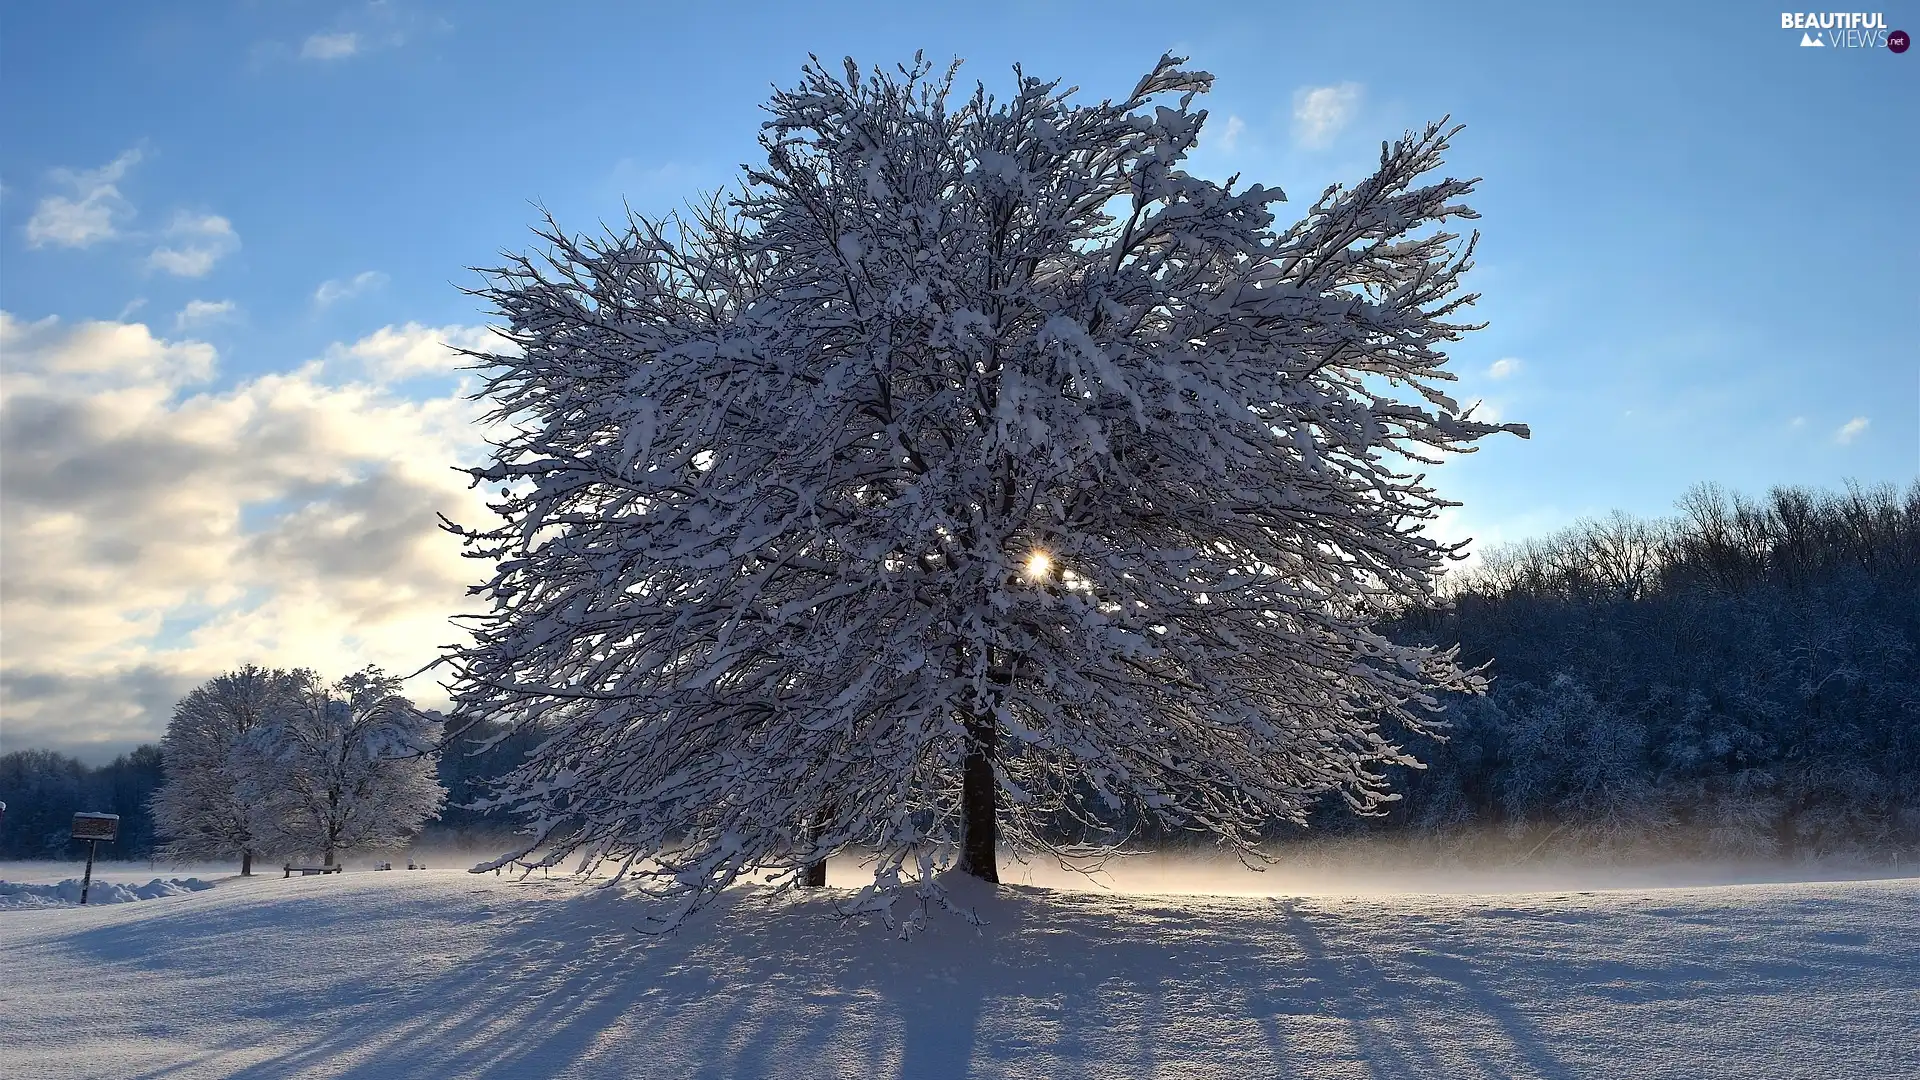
pixel 43 789
pixel 1741 680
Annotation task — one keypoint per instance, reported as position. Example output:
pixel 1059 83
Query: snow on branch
pixel 781 468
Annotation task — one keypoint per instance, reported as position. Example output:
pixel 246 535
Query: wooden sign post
pixel 93 828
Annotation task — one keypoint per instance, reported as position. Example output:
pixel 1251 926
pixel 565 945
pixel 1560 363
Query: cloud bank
pixel 159 531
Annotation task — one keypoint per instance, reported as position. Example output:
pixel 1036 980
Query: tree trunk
pixel 979 801
pixel 328 861
pixel 246 862
pixel 814 874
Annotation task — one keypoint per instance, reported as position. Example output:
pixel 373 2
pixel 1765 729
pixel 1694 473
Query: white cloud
pixel 1486 412
pixel 200 312
pixel 93 209
pixel 94 357
pixel 1797 423
pixel 330 47
pixel 1850 430
pixel 1320 112
pixel 392 353
pixel 356 31
pixel 159 531
pixel 335 290
pixel 198 242
pixel 1230 135
pixel 1503 367
pixel 88 213
pixel 190 262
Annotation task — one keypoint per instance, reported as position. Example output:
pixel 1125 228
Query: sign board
pixel 96 826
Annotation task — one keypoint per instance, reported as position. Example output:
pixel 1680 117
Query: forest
pixel 1738 680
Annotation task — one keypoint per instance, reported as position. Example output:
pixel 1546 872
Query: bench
pixel 308 871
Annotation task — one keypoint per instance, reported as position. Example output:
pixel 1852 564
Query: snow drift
pixel 16 895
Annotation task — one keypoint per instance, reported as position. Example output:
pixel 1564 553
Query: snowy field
pixel 447 975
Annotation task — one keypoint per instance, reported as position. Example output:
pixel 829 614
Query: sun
pixel 1039 565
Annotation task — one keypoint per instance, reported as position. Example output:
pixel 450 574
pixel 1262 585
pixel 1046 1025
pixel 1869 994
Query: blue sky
pixel 245 226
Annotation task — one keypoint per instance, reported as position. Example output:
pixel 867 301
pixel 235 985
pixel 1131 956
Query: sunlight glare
pixel 1039 565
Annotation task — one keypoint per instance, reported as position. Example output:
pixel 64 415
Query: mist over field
pixel 1354 867
pixel 1390 872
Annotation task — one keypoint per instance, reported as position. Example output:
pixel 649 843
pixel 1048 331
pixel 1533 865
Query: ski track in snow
pixel 447 975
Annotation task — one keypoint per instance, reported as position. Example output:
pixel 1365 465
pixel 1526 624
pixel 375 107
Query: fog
pixel 1361 867
pixel 1329 868
pixel 1361 873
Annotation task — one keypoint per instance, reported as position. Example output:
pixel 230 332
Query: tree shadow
pixel 1058 984
pixel 1407 1027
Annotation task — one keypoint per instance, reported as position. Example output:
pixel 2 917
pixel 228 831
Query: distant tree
pixel 348 767
pixel 975 467
pixel 212 804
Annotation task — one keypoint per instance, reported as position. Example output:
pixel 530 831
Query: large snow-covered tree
pixel 973 466
pixel 211 804
pixel 349 767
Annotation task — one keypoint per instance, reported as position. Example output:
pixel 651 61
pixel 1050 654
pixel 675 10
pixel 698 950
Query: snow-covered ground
pixel 447 975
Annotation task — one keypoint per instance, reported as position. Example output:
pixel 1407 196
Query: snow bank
pixel 15 895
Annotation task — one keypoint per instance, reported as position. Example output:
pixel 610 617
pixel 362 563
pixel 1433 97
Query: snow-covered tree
pixel 211 804
pixel 975 465
pixel 350 767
